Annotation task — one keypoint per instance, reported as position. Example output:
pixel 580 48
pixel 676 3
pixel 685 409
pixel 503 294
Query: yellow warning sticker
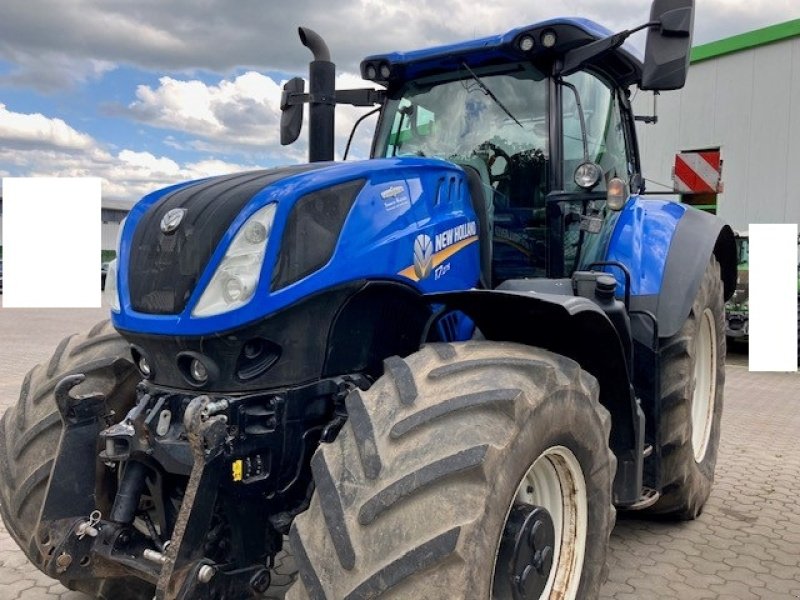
pixel 237 469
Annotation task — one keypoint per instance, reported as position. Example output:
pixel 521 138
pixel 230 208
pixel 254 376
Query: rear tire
pixel 30 433
pixel 412 497
pixel 692 382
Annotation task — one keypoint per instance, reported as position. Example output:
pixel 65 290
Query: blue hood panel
pixel 412 222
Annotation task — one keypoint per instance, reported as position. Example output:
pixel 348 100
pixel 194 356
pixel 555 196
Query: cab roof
pixel 623 64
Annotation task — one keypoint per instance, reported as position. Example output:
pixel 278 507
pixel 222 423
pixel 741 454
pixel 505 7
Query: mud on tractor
pixel 436 373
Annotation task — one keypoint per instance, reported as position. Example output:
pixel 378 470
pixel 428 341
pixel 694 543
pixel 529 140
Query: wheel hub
pixel 526 551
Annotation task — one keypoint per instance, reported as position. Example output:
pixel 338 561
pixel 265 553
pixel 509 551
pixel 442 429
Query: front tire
pixel 413 496
pixel 692 382
pixel 31 430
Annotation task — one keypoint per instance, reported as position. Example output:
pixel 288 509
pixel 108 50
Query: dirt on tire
pixel 687 482
pixel 412 496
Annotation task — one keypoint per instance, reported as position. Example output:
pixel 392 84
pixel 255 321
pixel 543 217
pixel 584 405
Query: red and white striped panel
pixel 697 172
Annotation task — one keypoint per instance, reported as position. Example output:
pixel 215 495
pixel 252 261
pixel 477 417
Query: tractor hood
pixel 331 223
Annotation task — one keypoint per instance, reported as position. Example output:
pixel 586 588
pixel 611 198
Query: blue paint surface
pixel 494 47
pixel 376 242
pixel 641 241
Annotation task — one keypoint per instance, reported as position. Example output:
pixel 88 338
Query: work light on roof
pixel 549 38
pixel 526 43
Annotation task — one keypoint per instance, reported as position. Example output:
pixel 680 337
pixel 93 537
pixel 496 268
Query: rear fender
pixel 666 247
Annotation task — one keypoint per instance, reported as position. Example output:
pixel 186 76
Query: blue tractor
pixel 436 373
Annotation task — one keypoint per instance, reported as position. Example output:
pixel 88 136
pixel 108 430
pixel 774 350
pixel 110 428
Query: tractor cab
pixel 538 118
pixel 521 133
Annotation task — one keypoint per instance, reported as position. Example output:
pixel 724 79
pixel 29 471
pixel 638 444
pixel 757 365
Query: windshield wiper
pixel 489 93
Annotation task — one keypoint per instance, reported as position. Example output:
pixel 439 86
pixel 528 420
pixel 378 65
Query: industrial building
pixel 742 97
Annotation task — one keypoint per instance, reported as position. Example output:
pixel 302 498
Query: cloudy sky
pixel 149 92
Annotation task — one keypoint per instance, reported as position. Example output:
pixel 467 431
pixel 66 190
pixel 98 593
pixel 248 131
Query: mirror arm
pixel 575 59
pixel 360 97
pixel 293 99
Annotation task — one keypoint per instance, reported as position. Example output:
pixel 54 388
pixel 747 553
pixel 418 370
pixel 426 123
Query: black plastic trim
pixel 312 231
pixel 346 329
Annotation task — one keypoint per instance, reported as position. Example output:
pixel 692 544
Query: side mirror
pixel 291 113
pixel 666 57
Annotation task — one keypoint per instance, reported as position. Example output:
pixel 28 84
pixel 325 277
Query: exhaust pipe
pixel 322 92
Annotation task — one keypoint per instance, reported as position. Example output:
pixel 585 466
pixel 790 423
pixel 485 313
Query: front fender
pixel 568 325
pixel 576 328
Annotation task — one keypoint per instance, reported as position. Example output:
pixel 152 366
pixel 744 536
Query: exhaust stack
pixel 322 101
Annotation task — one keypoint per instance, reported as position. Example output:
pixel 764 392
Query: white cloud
pixel 242 111
pixel 241 114
pixel 26 130
pixel 148 162
pixel 35 145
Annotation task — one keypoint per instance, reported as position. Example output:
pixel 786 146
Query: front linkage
pixel 190 493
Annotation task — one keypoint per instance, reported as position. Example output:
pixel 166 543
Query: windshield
pixel 461 117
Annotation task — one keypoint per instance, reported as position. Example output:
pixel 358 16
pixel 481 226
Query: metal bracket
pixel 183 556
pixel 70 493
pixel 359 97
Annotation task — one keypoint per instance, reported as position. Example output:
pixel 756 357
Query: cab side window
pixel 605 131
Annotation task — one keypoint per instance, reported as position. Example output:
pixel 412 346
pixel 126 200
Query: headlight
pixel 111 291
pixel 588 175
pixel 235 280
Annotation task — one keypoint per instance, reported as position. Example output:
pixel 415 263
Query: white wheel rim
pixel 705 384
pixel 555 482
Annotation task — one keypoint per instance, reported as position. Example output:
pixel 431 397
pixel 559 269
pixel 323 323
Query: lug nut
pixel 63 562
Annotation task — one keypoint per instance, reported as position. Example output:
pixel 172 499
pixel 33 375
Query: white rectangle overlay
pixel 51 242
pixel 773 297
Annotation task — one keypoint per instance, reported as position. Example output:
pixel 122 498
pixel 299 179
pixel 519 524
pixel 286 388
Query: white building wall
pixel 748 104
pixel 108 236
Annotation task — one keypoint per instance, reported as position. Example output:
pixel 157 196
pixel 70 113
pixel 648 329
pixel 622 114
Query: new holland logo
pixel 423 256
pixel 172 220
pixel 432 252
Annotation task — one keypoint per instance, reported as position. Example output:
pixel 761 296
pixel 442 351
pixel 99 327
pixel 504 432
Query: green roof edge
pixel 744 41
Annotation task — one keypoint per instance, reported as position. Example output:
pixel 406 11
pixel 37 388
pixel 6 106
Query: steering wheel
pixel 495 152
